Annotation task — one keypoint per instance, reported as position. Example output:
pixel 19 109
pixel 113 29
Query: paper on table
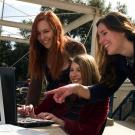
pixel 8 129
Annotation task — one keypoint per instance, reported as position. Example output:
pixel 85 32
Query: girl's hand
pixel 26 110
pixel 50 116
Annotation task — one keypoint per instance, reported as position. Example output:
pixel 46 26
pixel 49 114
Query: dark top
pixel 72 48
pixel 63 79
pixel 36 85
pixel 123 70
pixel 79 119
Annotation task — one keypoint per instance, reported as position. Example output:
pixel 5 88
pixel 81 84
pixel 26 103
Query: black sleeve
pixel 101 91
pixel 33 95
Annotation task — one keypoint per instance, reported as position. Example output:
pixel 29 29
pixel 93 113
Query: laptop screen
pixel 2 115
pixel 8 94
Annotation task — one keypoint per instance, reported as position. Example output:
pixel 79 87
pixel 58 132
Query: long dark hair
pixel 114 21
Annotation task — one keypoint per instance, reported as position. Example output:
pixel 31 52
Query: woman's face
pixel 75 73
pixel 45 34
pixel 112 41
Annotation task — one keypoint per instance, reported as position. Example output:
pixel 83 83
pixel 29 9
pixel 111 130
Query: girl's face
pixel 45 34
pixel 75 73
pixel 112 41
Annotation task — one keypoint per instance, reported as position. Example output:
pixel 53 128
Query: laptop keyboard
pixel 31 122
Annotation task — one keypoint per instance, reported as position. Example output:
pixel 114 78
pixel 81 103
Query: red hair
pixel 39 56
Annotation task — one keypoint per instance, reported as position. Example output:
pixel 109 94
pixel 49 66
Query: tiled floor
pixel 120 128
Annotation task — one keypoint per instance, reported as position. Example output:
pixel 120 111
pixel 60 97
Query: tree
pixel 121 8
pixel 20 60
pixel 25 33
pixel 5 53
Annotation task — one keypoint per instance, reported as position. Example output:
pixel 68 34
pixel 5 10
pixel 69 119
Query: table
pixel 8 129
pixel 54 129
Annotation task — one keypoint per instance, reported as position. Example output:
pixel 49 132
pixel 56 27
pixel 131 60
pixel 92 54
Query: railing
pixel 126 108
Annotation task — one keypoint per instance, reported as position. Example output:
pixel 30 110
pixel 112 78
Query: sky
pixel 17 11
pixel 130 6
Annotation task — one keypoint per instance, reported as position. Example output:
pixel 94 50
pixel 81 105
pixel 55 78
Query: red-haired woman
pixel 49 55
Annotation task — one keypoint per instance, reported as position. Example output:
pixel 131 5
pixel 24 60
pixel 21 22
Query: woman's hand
pixel 50 116
pixel 26 110
pixel 62 92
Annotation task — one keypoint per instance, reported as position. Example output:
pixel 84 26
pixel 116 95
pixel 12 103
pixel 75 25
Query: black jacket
pixel 123 71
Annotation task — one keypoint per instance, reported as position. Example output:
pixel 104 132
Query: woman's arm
pixel 62 92
pixel 102 90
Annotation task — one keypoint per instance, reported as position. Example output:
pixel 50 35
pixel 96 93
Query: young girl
pixel 76 115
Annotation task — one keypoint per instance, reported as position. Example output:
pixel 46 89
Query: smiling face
pixel 45 34
pixel 75 73
pixel 112 41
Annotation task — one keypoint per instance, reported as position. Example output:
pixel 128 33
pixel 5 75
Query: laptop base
pixel 31 122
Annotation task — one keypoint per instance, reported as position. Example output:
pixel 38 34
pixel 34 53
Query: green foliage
pixel 5 53
pixel 22 63
pixel 97 3
pixel 100 4
pixel 121 8
pixel 25 33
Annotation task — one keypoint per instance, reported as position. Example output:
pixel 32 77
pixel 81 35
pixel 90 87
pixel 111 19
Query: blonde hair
pixel 89 70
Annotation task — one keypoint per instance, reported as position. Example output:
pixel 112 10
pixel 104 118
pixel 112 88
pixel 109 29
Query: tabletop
pixel 51 130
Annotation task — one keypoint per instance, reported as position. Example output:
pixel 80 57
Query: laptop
pixel 29 122
pixel 2 115
pixel 8 106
